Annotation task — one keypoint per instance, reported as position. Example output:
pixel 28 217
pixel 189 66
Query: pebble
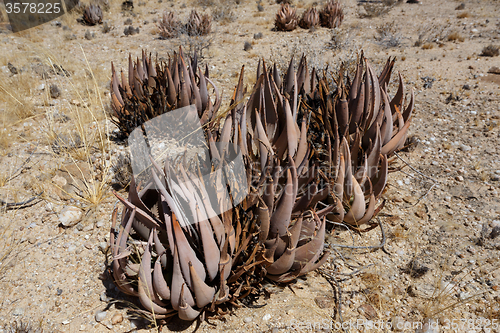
pixel 100 315
pixel 324 302
pixel 368 311
pixel 104 297
pixel 69 216
pixel 266 317
pixel 248 320
pixel 99 224
pixel 103 246
pixel 18 311
pixel 117 318
pixel 88 246
pixel 459 178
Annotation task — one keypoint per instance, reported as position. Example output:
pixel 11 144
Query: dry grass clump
pixel 376 9
pixel 169 26
pixel 286 18
pixel 490 51
pixel 464 14
pixel 17 93
pixel 223 12
pixel 388 36
pixel 455 36
pixel 85 141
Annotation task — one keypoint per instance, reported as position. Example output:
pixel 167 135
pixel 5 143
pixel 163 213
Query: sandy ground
pixel 441 220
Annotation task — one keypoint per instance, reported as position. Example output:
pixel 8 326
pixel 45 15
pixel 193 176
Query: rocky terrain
pixel 435 258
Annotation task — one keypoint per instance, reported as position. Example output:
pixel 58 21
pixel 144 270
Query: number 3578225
pixel 32 8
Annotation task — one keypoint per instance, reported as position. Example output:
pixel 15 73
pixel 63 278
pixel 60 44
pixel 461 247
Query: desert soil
pixel 441 221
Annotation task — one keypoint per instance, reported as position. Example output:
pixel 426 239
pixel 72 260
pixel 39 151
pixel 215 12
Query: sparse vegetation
pixel 71 164
pixel 491 51
pixel 389 36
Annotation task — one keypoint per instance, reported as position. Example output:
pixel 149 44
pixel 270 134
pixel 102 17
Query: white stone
pixel 100 315
pixel 69 216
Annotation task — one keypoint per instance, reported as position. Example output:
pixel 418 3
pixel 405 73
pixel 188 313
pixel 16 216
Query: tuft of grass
pixel 85 144
pixel 376 9
pixel 428 46
pixel 455 36
pixel 21 326
pixel 490 51
pixel 464 15
pixel 388 36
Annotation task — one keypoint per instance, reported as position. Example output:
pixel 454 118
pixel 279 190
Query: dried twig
pixel 338 294
pixel 21 204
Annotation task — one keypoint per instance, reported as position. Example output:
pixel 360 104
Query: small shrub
pixel 455 36
pixel 247 46
pixel 490 51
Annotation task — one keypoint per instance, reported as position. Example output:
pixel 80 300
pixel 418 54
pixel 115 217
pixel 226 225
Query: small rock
pixel 69 216
pixel 100 315
pixel 66 322
pixel 466 87
pixel 130 30
pixel 103 246
pixel 247 46
pixel 55 92
pixel 258 35
pixel 266 317
pixel 248 320
pixel 79 226
pixel 18 311
pixel 117 318
pixel 368 311
pixel 99 224
pixel 324 302
pixel 89 35
pixel 104 297
pixel 41 87
pixel 494 70
pixel 459 178
pixel 495 232
pixel 12 69
pixel 59 291
pixel 88 246
pixel 465 148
